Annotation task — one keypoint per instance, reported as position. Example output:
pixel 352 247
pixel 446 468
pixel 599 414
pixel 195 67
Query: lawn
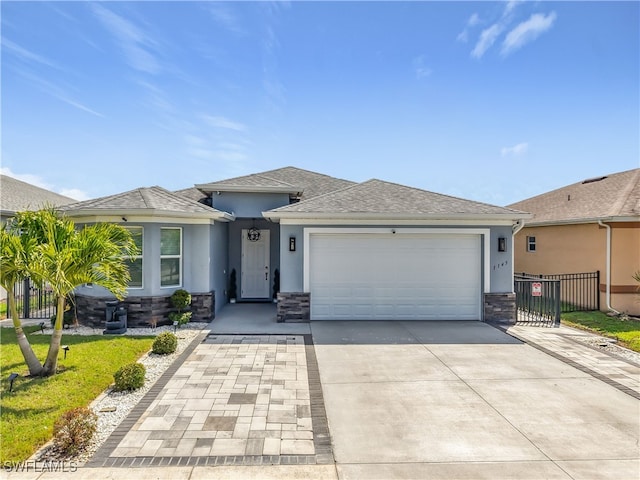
pixel 627 332
pixel 29 412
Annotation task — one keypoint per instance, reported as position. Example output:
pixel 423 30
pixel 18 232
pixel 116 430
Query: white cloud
pixel 134 42
pixel 487 38
pixel 38 181
pixel 420 68
pixel 527 31
pixel 223 122
pixel 24 54
pixel 225 17
pixel 473 20
pixel 515 151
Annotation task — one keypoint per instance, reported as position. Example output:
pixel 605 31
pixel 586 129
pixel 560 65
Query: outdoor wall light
pixel 12 377
pixel 66 349
pixel 42 327
pixel 292 244
pixel 502 244
pixel 175 326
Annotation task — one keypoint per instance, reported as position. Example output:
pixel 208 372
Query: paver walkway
pixel 235 399
pixel 563 343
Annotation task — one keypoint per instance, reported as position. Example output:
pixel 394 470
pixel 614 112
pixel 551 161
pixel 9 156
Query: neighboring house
pixel 17 196
pixel 590 225
pixel 344 250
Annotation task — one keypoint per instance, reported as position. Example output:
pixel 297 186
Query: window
pixel 170 257
pixel 135 264
pixel 531 244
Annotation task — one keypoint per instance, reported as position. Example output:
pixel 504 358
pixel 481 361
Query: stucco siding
pixel 582 248
pixel 250 205
pixel 219 271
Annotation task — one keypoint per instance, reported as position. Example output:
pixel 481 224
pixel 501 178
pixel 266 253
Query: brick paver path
pixel 239 399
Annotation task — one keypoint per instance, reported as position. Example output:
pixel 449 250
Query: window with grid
pixel 170 257
pixel 135 262
pixel 531 244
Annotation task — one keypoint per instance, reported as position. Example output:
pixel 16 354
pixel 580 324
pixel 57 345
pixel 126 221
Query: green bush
pixel 165 343
pixel 180 317
pixel 130 377
pixel 73 431
pixel 181 299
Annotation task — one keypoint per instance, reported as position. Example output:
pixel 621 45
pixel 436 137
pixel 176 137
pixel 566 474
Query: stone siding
pixel 500 307
pixel 294 307
pixel 143 311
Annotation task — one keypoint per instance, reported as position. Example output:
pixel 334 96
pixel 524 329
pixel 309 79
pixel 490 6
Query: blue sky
pixel 491 101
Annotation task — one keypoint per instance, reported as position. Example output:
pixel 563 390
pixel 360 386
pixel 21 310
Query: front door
pixel 255 274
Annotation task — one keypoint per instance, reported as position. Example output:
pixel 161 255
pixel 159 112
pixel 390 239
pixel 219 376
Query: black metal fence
pixel 33 302
pixel 537 301
pixel 579 292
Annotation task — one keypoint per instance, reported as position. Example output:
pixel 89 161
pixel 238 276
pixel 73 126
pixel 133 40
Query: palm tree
pixel 65 257
pixel 16 250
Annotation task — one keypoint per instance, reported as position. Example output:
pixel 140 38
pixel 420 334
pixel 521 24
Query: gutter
pixel 514 230
pixel 608 289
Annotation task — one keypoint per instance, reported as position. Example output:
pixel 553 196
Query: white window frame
pixel 179 257
pixel 531 242
pixel 136 257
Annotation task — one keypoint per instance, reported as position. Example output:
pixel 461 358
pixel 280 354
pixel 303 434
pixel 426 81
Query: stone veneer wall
pixel 143 311
pixel 294 307
pixel 500 307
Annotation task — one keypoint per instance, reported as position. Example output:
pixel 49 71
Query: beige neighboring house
pixel 16 196
pixel 590 225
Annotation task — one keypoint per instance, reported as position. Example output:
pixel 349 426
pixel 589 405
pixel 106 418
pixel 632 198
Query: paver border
pixel 320 424
pixel 573 363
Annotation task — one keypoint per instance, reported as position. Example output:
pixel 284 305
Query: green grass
pixel 627 332
pixel 29 412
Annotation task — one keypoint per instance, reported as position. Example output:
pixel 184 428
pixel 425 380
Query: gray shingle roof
pixel 286 180
pixel 16 196
pixel 376 197
pixel 143 200
pixel 615 195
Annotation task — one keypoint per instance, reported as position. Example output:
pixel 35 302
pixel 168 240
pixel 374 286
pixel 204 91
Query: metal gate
pixel 33 302
pixel 537 301
pixel 579 292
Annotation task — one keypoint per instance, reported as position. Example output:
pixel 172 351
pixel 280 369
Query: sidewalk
pixel 567 344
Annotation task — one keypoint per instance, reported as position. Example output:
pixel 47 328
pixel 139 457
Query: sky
pixel 491 101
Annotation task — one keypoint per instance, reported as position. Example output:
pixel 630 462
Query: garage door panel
pixel 370 276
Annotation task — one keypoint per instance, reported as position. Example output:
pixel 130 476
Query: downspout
pixel 514 230
pixel 608 285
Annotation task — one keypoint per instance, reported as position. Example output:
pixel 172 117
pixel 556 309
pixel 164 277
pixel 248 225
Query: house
pixel 343 250
pixel 591 225
pixel 17 196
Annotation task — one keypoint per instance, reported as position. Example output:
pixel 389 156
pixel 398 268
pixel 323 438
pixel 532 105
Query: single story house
pixel 343 250
pixel 591 225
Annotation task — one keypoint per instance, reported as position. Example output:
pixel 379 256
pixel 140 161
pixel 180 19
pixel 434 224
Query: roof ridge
pixel 317 197
pixel 622 199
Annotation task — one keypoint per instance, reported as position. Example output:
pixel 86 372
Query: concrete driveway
pixel 465 400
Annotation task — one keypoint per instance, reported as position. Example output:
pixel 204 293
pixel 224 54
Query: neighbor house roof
pixel 145 201
pixel 16 196
pixel 377 198
pixel 291 180
pixel 610 197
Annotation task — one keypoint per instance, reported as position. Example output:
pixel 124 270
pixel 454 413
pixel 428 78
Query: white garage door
pixel 395 277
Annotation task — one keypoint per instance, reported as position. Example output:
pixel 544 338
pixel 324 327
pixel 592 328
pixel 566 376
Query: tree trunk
pixel 51 363
pixel 34 365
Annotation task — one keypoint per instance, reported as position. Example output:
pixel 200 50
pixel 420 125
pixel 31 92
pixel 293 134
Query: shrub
pixel 180 317
pixel 180 299
pixel 73 431
pixel 130 377
pixel 165 343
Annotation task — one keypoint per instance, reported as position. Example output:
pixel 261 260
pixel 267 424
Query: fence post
pixel 598 288
pixel 556 287
pixel 26 299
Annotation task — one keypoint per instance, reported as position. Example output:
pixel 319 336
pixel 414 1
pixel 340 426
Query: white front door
pixel 255 267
